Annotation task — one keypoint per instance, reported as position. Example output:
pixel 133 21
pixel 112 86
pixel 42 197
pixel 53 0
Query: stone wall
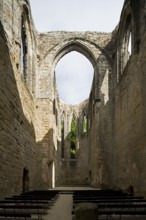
pixel 129 110
pixel 96 47
pixel 46 138
pixel 100 125
pixel 17 135
pixel 20 147
pixel 11 14
pixel 72 171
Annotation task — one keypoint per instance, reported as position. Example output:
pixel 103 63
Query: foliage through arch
pixel 73 138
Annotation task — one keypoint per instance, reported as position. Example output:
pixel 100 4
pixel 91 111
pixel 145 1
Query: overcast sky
pixel 74 72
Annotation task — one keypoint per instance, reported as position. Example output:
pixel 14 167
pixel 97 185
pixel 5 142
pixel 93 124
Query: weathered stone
pixel 86 211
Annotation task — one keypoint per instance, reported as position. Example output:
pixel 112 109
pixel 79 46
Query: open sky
pixel 74 72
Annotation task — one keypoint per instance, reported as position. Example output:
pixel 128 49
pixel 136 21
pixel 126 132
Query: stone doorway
pixel 25 180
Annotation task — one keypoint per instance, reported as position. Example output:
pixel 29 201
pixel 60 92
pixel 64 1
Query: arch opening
pixel 25 180
pixel 125 44
pixel 73 138
pixel 74 76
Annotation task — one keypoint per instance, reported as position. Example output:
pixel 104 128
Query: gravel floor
pixel 61 210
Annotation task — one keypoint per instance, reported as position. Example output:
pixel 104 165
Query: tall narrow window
pixel 73 139
pixel 54 107
pixel 125 47
pixel 129 45
pixel 85 123
pixel 55 112
pixel 62 138
pixel 23 54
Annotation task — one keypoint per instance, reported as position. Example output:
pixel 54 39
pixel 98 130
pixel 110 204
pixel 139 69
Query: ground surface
pixel 62 208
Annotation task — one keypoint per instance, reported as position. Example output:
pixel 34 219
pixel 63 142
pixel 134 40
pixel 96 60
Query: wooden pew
pixel 117 201
pixel 29 202
pixel 122 213
pixel 22 210
pixel 12 214
pixel 25 205
pixel 112 203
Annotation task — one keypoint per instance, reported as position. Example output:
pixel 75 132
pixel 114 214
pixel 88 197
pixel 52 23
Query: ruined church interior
pixel 46 144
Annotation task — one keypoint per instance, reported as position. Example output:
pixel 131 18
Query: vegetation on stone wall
pixel 73 138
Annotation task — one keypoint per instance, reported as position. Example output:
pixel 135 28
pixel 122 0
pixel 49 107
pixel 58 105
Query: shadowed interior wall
pixel 130 104
pixel 17 135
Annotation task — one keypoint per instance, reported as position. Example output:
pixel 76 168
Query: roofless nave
pixel 46 143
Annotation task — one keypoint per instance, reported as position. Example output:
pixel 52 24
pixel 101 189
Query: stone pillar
pixel 86 211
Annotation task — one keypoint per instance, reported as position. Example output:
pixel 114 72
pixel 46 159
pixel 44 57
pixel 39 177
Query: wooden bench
pixel 28 198
pixel 39 209
pixel 50 194
pixel 45 204
pixel 28 204
pixel 122 213
pixel 23 210
pixel 99 193
pixel 111 201
pixel 107 197
pixel 122 206
pixel 13 214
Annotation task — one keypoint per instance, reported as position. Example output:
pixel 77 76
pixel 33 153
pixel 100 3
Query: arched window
pixel 125 45
pixel 70 70
pixel 73 135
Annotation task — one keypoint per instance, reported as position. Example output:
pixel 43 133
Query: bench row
pixel 27 206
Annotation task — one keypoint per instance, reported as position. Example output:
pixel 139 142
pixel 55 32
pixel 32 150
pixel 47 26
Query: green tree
pixel 73 138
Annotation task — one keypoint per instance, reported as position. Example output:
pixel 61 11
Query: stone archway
pixel 64 43
pixel 94 50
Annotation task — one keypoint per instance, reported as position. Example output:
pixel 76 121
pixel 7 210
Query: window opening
pixel 70 70
pixel 73 139
pixel 54 107
pixel 85 124
pixel 130 45
pixel 125 47
pixel 23 55
pixel 25 180
pixel 62 138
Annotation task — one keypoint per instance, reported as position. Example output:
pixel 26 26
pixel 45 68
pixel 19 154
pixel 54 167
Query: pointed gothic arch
pixel 27 44
pixel 75 46
pixel 126 40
